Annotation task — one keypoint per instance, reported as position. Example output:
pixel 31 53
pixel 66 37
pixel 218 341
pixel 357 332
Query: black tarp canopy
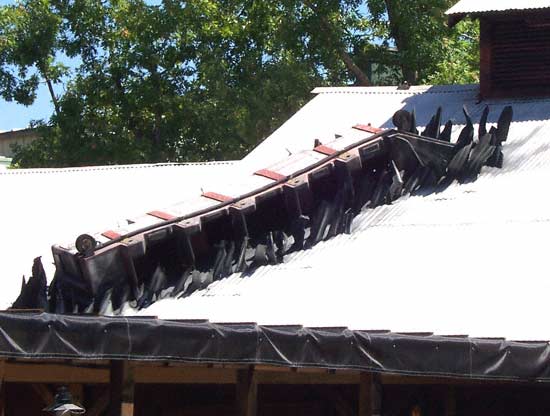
pixel 40 336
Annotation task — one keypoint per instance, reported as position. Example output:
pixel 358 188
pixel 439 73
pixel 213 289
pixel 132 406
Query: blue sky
pixel 18 116
pixel 14 116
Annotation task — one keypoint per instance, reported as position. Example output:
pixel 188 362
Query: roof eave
pixel 454 19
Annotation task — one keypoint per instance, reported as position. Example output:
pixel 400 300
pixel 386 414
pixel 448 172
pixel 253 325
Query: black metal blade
pixel 467 134
pixel 482 131
pixel 479 156
pixel 413 122
pixel 260 256
pixel 413 181
pixel 241 262
pixel 219 260
pixel 366 190
pixel 183 283
pixel 432 129
pixel 337 215
pixel 396 187
pixel 158 281
pixel 348 220
pixel 270 249
pixel 459 162
pixel 497 158
pixel 227 269
pixel 320 223
pixel 445 134
pixel 34 293
pixel 382 189
pixel 503 124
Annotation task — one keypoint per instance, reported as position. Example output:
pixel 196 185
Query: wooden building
pixel 458 277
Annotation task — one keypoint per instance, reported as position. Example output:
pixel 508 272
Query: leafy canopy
pixel 208 79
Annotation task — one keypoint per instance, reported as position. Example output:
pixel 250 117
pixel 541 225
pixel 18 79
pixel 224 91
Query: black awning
pixel 50 336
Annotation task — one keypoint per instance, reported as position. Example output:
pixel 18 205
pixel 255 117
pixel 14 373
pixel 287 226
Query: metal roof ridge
pixel 393 90
pixel 495 6
pixel 30 171
pixel 16 130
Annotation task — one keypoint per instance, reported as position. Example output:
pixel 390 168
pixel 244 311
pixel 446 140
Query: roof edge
pixel 461 10
pixel 29 171
pixel 288 346
pixel 415 89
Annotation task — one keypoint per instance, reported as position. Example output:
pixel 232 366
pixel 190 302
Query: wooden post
pixel 450 401
pixel 369 395
pixel 44 393
pixel 2 388
pixel 247 392
pixel 122 389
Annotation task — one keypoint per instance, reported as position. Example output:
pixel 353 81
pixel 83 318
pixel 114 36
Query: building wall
pixel 514 55
pixel 21 137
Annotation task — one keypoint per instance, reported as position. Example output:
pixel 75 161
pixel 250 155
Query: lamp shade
pixel 63 404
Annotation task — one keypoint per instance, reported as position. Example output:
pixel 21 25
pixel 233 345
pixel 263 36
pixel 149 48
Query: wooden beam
pixel 18 372
pixel 297 377
pixel 184 375
pixel 192 374
pixel 394 379
pixel 246 393
pixel 122 389
pixel 369 395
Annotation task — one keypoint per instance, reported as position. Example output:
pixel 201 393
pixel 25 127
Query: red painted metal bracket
pixel 325 150
pixel 368 128
pixel 217 197
pixel 266 173
pixel 111 235
pixel 162 215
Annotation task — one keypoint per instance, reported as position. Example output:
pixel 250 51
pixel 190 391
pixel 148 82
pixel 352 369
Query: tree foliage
pixel 206 79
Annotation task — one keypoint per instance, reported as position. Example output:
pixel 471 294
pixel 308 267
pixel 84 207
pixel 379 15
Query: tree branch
pixel 359 75
pixel 43 71
pixel 354 69
pixel 401 40
pixel 52 94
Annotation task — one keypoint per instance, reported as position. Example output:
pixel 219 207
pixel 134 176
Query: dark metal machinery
pixel 179 255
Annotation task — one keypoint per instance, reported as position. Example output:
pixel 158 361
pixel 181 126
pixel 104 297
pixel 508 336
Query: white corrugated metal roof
pixel 488 6
pixel 40 207
pixel 335 110
pixel 470 260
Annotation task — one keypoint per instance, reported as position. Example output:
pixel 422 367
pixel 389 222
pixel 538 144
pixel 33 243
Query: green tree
pixel 206 79
pixel 28 48
pixel 424 44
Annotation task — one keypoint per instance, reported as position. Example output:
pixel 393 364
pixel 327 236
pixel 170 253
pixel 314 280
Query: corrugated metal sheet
pixel 41 207
pixel 488 6
pixel 336 110
pixel 470 260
